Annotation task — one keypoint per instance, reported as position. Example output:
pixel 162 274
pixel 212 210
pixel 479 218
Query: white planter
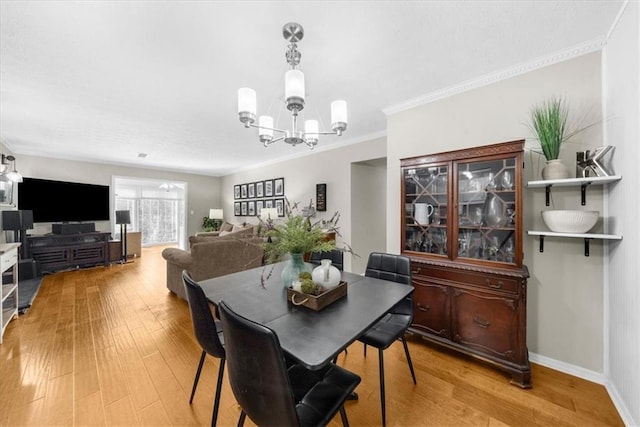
pixel 555 169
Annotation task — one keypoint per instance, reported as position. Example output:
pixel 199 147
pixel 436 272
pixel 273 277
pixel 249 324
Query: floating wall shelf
pixel 573 182
pixel 585 236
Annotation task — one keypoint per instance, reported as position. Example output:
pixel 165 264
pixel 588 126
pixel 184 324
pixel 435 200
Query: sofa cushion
pixel 226 226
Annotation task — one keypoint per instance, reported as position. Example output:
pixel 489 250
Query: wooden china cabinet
pixel 462 229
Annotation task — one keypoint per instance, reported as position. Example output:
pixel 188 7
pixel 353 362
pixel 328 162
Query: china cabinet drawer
pixel 430 308
pixel 484 321
pixel 462 277
pixel 488 282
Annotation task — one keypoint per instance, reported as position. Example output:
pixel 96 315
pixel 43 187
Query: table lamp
pixel 217 216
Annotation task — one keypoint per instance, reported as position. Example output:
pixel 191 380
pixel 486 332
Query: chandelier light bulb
pixel 247 105
pixel 294 89
pixel 339 116
pixel 311 132
pixel 265 129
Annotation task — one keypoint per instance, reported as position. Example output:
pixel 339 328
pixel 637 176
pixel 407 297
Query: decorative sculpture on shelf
pixel 592 161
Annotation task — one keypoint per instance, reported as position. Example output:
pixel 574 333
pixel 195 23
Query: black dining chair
pixel 208 332
pixel 389 329
pixel 336 256
pixel 272 394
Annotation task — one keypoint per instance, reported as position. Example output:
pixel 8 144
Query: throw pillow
pixel 224 233
pixel 226 226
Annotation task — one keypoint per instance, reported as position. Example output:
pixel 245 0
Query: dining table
pixel 311 338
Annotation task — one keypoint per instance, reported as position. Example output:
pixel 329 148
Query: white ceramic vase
pixel 555 169
pixel 326 275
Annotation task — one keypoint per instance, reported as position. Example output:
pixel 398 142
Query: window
pixel 157 209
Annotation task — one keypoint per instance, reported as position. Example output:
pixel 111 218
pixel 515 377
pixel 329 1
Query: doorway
pixel 368 210
pixel 157 209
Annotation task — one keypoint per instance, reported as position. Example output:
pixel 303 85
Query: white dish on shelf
pixel 570 221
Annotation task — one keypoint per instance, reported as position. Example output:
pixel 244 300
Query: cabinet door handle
pixel 424 308
pixel 491 285
pixel 415 271
pixel 482 323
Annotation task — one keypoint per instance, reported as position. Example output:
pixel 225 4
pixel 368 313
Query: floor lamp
pixel 123 218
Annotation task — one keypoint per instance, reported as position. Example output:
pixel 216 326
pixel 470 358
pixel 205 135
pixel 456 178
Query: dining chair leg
pixel 343 415
pixel 195 381
pixel 406 352
pixel 382 398
pixel 241 419
pixel 216 402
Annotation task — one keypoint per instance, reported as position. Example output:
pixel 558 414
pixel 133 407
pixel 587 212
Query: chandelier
pixel 294 100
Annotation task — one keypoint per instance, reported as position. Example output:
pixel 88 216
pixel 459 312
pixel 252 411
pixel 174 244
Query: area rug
pixel 27 291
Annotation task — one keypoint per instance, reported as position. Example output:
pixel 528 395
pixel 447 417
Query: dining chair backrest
pixel 204 325
pixel 336 256
pixel 395 268
pixel 257 370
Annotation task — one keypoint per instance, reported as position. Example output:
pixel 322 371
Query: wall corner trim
pixel 590 46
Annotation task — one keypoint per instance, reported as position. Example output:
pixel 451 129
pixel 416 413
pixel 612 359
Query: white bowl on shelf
pixel 570 221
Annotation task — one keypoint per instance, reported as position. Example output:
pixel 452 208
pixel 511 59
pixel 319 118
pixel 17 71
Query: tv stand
pixel 55 252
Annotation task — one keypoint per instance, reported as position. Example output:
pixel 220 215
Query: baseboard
pixel 589 375
pixel 567 368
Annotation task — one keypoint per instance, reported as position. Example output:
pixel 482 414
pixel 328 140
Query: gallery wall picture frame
pixel 278 187
pixel 268 188
pixel 251 208
pixel 259 206
pixel 321 197
pixel 236 208
pixel 260 189
pixel 279 204
pixel 243 191
pixel 268 203
pixel 251 190
pixel 243 208
pixel 236 192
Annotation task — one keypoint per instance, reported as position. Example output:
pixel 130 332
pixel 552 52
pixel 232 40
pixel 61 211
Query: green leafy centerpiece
pixel 295 236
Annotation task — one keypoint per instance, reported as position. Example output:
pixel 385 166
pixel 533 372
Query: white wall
pixel 331 166
pixel 622 110
pixel 565 290
pixel 203 191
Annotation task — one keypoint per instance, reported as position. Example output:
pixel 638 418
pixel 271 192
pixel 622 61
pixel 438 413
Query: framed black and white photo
pixel 278 187
pixel 259 206
pixel 251 190
pixel 280 206
pixel 243 208
pixel 268 188
pixel 251 208
pixel 321 197
pixel 268 203
pixel 236 192
pixel 236 208
pixel 260 189
pixel 243 191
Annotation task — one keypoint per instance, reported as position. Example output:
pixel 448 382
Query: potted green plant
pixel 549 121
pixel 296 235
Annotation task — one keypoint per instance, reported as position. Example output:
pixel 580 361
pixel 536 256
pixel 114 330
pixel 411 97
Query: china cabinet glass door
pixel 486 214
pixel 426 216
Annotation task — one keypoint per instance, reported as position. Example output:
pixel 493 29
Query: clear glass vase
pixel 293 269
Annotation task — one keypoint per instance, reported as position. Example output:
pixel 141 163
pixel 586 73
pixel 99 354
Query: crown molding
pixel 594 45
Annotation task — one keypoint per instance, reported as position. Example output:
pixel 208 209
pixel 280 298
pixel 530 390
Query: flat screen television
pixel 61 201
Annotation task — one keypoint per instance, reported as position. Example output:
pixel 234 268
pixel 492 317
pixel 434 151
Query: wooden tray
pixel 317 302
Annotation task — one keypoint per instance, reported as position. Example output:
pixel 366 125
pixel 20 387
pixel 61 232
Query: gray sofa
pixel 211 257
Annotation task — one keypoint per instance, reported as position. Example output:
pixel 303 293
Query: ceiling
pixel 104 81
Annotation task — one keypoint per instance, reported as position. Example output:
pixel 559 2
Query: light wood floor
pixel 113 346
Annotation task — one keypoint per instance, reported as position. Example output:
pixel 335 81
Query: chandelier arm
pixel 268 143
pixel 264 127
